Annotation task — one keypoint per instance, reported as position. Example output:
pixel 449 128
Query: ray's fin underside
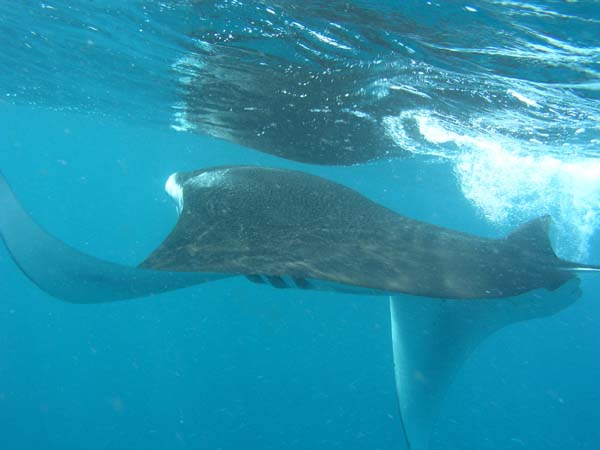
pixel 71 275
pixel 432 338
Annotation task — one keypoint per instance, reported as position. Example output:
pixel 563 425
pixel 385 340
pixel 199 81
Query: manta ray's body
pixel 290 229
pixel 304 231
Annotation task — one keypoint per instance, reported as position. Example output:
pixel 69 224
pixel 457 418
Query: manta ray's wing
pixel 70 275
pixel 432 338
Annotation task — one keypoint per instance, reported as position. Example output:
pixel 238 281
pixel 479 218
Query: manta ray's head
pixel 179 183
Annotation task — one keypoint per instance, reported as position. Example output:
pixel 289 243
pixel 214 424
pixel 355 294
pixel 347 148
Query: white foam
pixel 328 40
pixel 409 89
pixel 522 98
pixel 175 191
pixel 511 181
pixel 403 131
pixel 509 188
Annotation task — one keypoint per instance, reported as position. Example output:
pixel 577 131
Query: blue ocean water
pixel 488 114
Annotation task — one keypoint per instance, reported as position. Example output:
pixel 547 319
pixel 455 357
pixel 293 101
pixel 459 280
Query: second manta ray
pixel 289 229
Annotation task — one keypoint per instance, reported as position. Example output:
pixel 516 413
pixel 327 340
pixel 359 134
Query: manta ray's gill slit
pixel 277 282
pixel 281 282
pixel 302 283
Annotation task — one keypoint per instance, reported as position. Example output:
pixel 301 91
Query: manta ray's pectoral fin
pixel 70 275
pixel 432 338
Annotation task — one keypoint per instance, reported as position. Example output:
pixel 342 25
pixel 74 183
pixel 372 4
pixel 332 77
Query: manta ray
pixel 447 290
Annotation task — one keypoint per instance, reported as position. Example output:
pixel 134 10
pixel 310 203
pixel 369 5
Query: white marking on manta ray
pixel 207 179
pixel 203 180
pixel 175 191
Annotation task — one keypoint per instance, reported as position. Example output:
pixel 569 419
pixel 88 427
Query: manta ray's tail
pixel 70 275
pixel 576 267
